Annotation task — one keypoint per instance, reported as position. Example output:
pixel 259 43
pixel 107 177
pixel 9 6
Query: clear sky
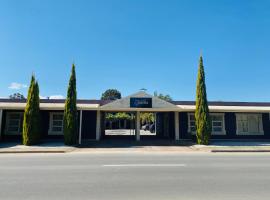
pixel 134 44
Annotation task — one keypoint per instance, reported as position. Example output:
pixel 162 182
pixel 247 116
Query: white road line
pixel 144 165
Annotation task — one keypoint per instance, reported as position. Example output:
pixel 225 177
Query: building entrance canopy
pixel 140 101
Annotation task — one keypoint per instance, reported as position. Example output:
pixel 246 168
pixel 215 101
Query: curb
pixel 56 151
pixel 240 151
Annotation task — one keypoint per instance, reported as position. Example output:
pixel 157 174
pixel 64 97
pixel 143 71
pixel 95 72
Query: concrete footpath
pixel 94 147
pixel 111 147
pixel 50 147
pixel 236 146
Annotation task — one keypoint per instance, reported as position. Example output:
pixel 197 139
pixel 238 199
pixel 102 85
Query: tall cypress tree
pixel 203 122
pixel 70 113
pixel 31 121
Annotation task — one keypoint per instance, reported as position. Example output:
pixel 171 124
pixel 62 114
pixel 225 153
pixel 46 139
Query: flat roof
pixel 79 101
pixel 103 102
pixel 184 106
pixel 223 103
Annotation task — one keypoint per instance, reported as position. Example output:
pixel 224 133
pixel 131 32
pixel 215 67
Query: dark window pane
pixel 13 129
pixel 57 123
pixel 58 117
pixel 57 129
pixel 217 129
pixel 217 123
pixel 13 122
pixel 14 116
pixel 193 129
pixel 216 118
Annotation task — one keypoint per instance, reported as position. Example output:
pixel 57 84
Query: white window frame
pixel 189 127
pixel 19 132
pixel 51 132
pixel 223 132
pixel 261 131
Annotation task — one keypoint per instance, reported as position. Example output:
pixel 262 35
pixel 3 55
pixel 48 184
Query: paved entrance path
pixel 126 132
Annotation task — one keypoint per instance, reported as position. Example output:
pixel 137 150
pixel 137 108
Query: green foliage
pixel 162 96
pixel 31 122
pixel 144 117
pixel 70 112
pixel 147 117
pixel 110 117
pixel 111 94
pixel 114 117
pixel 16 96
pixel 122 116
pixel 203 123
pixel 117 116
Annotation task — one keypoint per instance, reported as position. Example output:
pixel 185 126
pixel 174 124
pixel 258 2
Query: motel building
pixel 173 120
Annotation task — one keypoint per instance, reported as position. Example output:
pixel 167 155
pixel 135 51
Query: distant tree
pixel 147 118
pixel 122 116
pixel 114 117
pixel 16 96
pixel 70 112
pixel 31 122
pixel 203 123
pixel 162 96
pixel 111 94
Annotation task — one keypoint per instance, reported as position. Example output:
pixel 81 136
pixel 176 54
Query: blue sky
pixel 133 44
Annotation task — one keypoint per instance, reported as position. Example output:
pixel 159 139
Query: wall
pixel 45 124
pixel 183 126
pixel 89 125
pixel 230 127
pixel 4 135
pixel 266 124
pixel 165 125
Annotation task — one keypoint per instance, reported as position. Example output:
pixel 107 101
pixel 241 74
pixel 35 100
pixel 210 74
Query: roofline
pixel 223 103
pixel 56 101
pixel 178 103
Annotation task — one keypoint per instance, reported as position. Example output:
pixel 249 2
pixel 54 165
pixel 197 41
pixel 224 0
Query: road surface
pixel 124 176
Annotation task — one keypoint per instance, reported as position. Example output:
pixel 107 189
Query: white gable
pixel 124 104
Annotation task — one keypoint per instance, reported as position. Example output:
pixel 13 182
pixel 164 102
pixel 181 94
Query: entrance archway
pixel 118 125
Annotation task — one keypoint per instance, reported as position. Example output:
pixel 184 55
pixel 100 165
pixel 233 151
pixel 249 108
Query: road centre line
pixel 144 165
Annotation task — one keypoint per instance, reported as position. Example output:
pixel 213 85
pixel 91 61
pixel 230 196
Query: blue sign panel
pixel 137 102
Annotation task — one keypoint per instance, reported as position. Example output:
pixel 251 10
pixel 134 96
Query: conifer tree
pixel 203 122
pixel 70 112
pixel 31 121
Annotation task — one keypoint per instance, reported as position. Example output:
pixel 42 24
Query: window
pixel 192 125
pixel 217 120
pixel 14 123
pixel 217 123
pixel 249 124
pixel 56 124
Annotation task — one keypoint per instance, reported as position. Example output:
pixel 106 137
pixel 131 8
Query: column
pixel 138 126
pixel 98 126
pixel 1 116
pixel 155 123
pixel 176 125
pixel 80 129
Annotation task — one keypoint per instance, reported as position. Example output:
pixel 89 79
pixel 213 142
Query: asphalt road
pixel 135 176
